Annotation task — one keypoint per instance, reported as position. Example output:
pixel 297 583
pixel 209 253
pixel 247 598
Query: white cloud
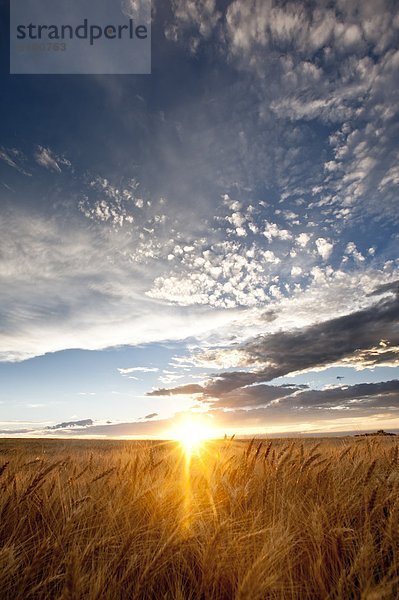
pixel 14 159
pixel 303 239
pixel 296 271
pixel 335 65
pixel 45 158
pixel 248 256
pixel 324 248
pixel 126 371
pixel 352 250
pixel 76 287
pixel 273 231
pixel 201 12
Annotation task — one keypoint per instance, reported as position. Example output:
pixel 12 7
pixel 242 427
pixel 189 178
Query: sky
pixel 217 239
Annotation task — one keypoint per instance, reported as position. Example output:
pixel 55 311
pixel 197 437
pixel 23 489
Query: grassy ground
pixel 118 520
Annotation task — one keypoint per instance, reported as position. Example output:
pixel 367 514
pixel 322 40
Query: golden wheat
pixel 244 520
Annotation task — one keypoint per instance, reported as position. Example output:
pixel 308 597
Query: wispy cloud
pixel 58 283
pixel 127 370
pixel 14 158
pixel 45 158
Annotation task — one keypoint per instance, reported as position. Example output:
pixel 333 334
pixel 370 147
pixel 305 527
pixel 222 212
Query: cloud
pixel 244 208
pixel 365 338
pixel 76 286
pixel 333 65
pixel 263 405
pixel 7 432
pixel 45 158
pixel 345 407
pixel 364 395
pixel 328 343
pixel 137 428
pixel 14 159
pixel 273 231
pixel 266 408
pixel 126 371
pixel 69 424
pixel 191 388
pixel 90 292
pixel 324 248
pixel 261 408
pixel 204 14
pixel 249 397
pixel 296 271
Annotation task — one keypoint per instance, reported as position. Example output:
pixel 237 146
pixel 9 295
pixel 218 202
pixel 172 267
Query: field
pixel 300 519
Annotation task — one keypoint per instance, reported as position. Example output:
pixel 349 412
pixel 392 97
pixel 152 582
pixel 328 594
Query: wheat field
pixel 277 519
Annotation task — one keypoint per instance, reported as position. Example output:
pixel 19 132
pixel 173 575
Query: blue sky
pixel 228 222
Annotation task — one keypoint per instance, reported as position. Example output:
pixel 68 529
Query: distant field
pixel 293 519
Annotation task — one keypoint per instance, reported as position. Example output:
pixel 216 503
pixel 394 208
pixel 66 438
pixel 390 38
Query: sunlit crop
pixel 242 520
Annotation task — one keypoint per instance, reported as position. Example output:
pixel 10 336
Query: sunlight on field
pixel 279 520
pixel 191 433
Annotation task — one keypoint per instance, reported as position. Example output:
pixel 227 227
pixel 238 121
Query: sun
pixel 191 434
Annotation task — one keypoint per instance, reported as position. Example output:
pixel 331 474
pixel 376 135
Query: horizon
pixel 75 433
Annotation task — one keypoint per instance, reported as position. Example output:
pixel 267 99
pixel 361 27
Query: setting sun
pixel 191 433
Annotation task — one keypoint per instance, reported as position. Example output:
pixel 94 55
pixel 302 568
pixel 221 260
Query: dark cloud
pixel 81 423
pixel 285 398
pixel 151 416
pixel 191 388
pixel 363 338
pixel 319 345
pixel 300 386
pixel 369 394
pixel 136 428
pixel 377 400
pixel 387 287
pixel 254 396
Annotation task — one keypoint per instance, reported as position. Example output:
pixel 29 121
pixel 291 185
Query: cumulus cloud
pixel 324 248
pixel 273 231
pixel 296 271
pixel 303 239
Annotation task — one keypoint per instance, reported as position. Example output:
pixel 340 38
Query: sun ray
pixel 191 433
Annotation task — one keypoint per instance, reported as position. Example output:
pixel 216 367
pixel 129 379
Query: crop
pixel 281 519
